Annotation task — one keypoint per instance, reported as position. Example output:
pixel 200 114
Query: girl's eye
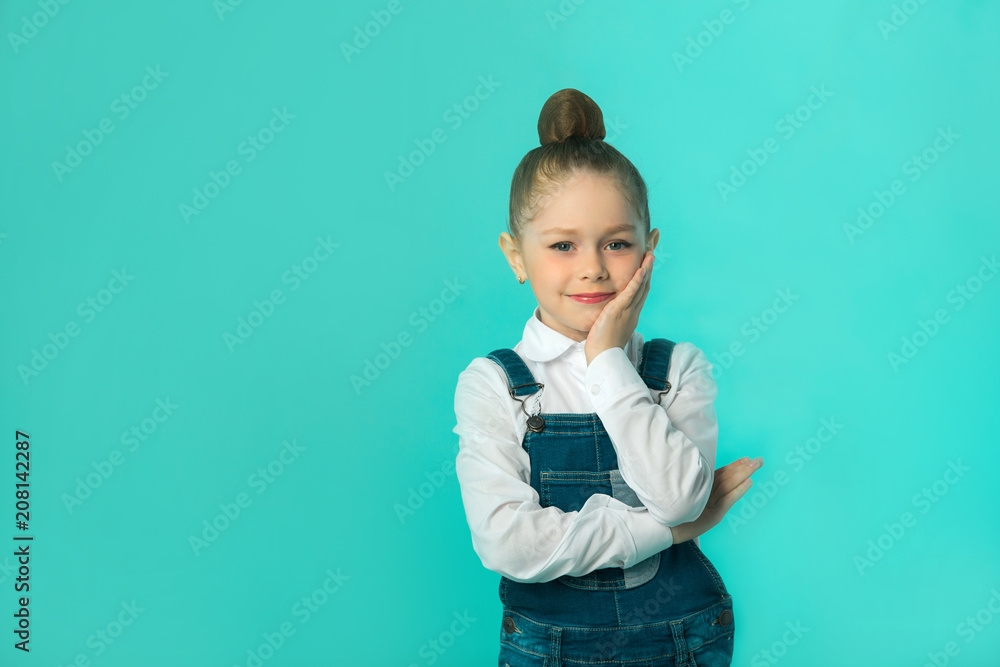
pixel 624 245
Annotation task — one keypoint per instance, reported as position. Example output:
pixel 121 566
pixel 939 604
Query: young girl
pixel 586 455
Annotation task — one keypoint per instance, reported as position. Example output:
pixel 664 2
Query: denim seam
pixel 597 451
pixel 575 418
pixel 711 569
pixel 505 642
pixel 594 474
pixel 583 628
pixel 677 629
pixel 618 611
pixel 616 585
pixel 578 477
pixel 724 635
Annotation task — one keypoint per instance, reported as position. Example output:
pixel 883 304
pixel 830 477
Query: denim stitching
pixel 677 629
pixel 618 610
pixel 711 569
pixel 708 611
pixel 515 647
pixel 597 450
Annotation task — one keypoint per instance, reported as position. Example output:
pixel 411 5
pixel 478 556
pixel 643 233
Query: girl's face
pixel 585 240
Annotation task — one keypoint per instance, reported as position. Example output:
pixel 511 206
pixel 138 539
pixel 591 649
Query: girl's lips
pixel 580 298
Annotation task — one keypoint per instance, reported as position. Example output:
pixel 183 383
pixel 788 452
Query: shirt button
pixel 595 389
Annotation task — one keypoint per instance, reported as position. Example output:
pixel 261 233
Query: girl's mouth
pixel 591 297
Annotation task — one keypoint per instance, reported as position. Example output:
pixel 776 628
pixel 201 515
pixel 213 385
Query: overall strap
pixel 655 364
pixel 520 381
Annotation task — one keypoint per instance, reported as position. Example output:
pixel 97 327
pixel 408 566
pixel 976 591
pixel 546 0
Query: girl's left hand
pixel 616 323
pixel 730 483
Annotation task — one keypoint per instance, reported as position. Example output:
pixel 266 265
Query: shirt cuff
pixel 650 536
pixel 610 374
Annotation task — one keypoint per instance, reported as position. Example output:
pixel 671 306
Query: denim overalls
pixel 670 610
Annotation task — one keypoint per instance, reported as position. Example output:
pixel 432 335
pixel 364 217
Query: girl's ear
pixel 513 254
pixel 652 239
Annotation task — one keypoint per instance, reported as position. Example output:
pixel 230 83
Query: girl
pixel 586 455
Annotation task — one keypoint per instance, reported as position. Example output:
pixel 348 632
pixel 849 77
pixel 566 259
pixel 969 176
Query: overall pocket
pixel 569 490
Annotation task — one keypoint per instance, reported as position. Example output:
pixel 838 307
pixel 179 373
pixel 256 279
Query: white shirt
pixel 666 454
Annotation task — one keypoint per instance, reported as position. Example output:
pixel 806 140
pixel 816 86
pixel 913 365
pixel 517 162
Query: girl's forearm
pixel 682 533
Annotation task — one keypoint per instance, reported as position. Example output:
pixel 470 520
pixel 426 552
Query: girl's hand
pixel 616 323
pixel 731 482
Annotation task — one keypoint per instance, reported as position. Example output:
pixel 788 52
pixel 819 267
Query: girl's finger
pixel 647 265
pixel 627 296
pixel 647 282
pixel 732 475
pixel 726 486
pixel 729 468
pixel 737 492
pixel 640 283
pixel 722 473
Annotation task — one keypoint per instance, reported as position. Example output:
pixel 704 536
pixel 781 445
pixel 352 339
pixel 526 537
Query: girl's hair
pixel 571 131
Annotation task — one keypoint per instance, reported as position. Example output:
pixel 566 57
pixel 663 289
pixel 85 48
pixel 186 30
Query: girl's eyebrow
pixel 626 227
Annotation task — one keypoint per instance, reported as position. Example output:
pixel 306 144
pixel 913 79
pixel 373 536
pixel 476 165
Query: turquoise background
pixel 364 451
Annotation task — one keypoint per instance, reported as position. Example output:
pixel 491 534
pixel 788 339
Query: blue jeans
pixel 699 639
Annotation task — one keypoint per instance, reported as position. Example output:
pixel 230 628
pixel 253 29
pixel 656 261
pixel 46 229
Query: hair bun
pixel 569 113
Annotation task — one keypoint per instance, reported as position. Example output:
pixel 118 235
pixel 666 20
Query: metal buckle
pixel 535 423
pixel 667 389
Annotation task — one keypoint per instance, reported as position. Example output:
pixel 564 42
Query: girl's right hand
pixel 729 485
pixel 617 320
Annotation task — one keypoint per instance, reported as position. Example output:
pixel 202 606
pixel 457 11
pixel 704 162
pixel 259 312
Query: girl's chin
pixel 582 324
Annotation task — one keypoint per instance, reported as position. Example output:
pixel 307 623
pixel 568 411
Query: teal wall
pixel 214 216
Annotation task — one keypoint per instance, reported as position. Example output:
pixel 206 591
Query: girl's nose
pixel 592 266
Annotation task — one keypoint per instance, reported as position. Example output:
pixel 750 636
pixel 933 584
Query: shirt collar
pixel 543 343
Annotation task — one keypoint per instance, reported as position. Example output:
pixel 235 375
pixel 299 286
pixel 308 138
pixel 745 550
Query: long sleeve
pixel 668 461
pixel 512 533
